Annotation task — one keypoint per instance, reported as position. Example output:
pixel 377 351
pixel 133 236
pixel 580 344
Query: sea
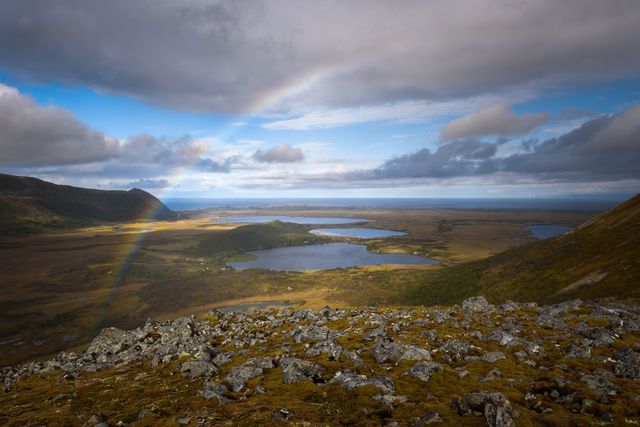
pixel 591 205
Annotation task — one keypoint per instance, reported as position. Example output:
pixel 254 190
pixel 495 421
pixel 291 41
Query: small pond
pixel 546 231
pixel 324 257
pixel 293 219
pixel 361 233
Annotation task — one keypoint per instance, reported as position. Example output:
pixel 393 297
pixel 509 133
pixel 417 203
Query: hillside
pixel 574 363
pixel 600 258
pixel 30 204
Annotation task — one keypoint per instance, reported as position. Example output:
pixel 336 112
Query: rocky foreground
pixel 575 363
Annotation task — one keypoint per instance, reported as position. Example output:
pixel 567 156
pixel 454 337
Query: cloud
pixel 32 135
pixel 604 149
pixel 281 153
pixel 151 184
pixel 496 120
pixel 203 55
pixel 399 112
pixel 50 138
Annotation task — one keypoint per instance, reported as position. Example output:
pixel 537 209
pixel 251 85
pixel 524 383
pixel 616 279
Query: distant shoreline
pixel 591 205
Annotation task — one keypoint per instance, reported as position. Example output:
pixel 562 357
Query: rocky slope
pixel 30 204
pixel 574 363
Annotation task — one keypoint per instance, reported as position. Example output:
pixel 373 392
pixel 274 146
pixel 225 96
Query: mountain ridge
pixel 30 204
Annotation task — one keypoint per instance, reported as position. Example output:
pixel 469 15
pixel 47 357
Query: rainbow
pixel 273 99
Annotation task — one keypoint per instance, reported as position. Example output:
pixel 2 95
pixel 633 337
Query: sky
pixel 289 98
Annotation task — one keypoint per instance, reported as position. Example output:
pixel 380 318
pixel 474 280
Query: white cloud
pixel 401 112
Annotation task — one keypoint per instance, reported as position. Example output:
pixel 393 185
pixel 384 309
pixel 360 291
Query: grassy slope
pixel 538 271
pixel 30 204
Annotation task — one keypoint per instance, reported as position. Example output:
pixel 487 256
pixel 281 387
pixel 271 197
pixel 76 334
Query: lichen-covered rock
pixel 476 305
pixel 424 370
pixel 296 370
pixel 238 377
pixel 212 389
pixel 628 364
pixel 600 384
pixel 198 368
pixel 387 350
pixel 330 348
pixel 351 380
pixel 493 356
pixel 495 407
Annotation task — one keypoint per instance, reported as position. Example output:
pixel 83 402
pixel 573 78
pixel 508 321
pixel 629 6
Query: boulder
pixel 296 370
pixel 476 305
pixel 424 370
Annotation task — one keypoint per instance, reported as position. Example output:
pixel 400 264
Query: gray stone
pixel 183 421
pixel 198 368
pixel 96 419
pixel 430 418
pixel 350 380
pixel 495 407
pixel 213 389
pixel 600 384
pixel 252 368
pixel 297 370
pixel 476 305
pixel 423 370
pixel 389 400
pixel 330 348
pixel 492 357
pixel 283 414
pixel 628 364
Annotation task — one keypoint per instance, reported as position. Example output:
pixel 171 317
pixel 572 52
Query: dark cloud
pixel 496 120
pixel 281 153
pixel 458 158
pixel 31 135
pixel 605 148
pixel 231 56
pixel 50 140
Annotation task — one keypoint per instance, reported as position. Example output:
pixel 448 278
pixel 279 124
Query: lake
pixel 324 257
pixel 361 233
pixel 546 231
pixel 309 220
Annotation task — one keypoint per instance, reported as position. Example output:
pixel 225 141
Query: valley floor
pixel 58 290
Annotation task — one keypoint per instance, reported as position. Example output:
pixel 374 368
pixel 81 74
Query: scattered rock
pixel 430 418
pixel 213 389
pixel 495 407
pixel 492 357
pixel 283 414
pixel 297 370
pixel 628 364
pixel 252 368
pixel 97 419
pixel 423 370
pixel 476 305
pixel 198 368
pixel 350 380
pixel 600 384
